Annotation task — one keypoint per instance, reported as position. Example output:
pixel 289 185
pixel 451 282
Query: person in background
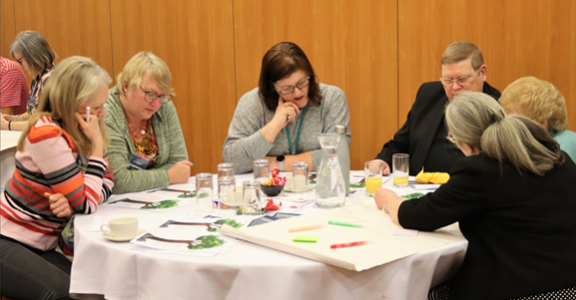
pixel 423 135
pixel 147 148
pixel 33 53
pixel 281 119
pixel 14 89
pixel 512 195
pixel 61 170
pixel 542 102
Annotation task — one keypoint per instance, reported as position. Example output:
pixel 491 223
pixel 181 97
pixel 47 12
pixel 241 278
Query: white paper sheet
pixel 378 229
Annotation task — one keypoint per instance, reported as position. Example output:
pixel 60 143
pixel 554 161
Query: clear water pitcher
pixel 330 186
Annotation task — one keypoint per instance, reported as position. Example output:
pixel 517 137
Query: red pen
pixel 344 245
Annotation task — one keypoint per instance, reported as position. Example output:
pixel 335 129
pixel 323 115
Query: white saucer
pixel 107 235
pixel 289 190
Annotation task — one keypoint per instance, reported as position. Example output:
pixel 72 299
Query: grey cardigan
pixel 171 147
pixel 245 143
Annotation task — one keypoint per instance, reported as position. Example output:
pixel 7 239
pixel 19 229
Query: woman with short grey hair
pixel 36 57
pixel 512 196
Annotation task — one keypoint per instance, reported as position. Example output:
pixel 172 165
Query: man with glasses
pixel 423 136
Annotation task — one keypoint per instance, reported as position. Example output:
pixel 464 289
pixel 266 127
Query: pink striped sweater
pixel 50 163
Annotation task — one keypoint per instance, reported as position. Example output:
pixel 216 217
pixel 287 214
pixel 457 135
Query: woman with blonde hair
pixel 36 58
pixel 511 195
pixel 147 148
pixel 542 102
pixel 61 170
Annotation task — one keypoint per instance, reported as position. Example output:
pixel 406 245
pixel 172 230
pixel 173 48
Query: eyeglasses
pixel 300 85
pixel 20 61
pixel 461 81
pixel 451 138
pixel 151 96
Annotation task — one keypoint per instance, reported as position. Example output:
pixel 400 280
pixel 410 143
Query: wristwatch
pixel 280 159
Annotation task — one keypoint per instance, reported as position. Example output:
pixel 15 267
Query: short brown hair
pixel 459 51
pixel 538 100
pixel 280 61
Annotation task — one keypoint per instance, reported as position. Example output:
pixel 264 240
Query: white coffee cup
pixel 121 227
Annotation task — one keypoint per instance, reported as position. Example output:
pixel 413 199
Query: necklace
pixel 138 133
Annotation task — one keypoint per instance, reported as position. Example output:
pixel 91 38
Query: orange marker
pixel 305 228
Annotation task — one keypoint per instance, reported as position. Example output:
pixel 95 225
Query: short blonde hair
pixel 538 100
pixel 138 65
pixel 459 51
pixel 71 84
pixel 32 46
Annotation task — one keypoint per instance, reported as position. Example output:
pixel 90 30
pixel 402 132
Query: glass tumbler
pixel 251 204
pixel 299 177
pixel 400 169
pixel 204 192
pixel 373 176
pixel 261 170
pixel 227 193
pixel 224 170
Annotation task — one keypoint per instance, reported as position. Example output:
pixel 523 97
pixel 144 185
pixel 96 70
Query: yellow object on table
pixel 436 178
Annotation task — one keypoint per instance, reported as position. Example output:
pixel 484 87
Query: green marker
pixel 305 239
pixel 344 224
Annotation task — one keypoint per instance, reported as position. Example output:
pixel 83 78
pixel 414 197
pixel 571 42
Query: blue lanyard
pixel 297 135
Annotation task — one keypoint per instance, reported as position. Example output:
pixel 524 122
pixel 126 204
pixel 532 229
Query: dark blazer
pixel 521 227
pixel 417 134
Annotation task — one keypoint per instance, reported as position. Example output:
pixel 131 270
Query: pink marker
pixel 344 245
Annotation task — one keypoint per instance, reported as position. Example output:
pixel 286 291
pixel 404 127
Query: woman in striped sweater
pixel 60 169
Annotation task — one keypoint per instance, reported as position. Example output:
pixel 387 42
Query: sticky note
pixel 305 239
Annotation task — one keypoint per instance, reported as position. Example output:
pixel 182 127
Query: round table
pixel 248 271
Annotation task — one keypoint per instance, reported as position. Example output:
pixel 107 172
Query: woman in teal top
pixel 542 102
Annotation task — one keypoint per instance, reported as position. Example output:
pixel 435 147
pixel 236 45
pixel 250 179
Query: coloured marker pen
pixel 305 228
pixel 87 113
pixel 344 245
pixel 344 224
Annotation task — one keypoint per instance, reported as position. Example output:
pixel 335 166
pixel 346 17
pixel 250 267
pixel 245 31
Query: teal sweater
pixel 171 147
pixel 567 141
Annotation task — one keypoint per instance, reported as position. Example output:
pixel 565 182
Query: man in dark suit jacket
pixel 423 136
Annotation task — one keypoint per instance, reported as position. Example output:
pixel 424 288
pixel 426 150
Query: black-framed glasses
pixel 20 61
pixel 461 81
pixel 300 85
pixel 151 96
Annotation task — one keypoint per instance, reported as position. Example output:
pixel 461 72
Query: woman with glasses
pixel 61 170
pixel 281 119
pixel 33 53
pixel 513 196
pixel 147 148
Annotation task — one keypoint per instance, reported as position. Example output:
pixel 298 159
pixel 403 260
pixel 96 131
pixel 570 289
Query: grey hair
pixel 34 49
pixel 478 120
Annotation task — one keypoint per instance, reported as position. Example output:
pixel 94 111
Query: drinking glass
pixel 373 176
pixel 299 176
pixel 224 170
pixel 261 170
pixel 400 169
pixel 227 193
pixel 204 192
pixel 251 204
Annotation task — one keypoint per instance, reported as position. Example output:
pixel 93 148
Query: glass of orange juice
pixel 373 179
pixel 400 169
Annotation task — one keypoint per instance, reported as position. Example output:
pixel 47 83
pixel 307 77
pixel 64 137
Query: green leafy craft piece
pixel 163 204
pixel 413 196
pixel 208 241
pixel 187 195
pixel 229 222
pixel 204 195
pixel 357 186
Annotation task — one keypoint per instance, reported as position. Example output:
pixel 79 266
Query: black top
pixel 442 153
pixel 521 228
pixel 421 127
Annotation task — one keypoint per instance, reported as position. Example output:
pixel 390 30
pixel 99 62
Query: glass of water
pixel 251 204
pixel 204 192
pixel 261 170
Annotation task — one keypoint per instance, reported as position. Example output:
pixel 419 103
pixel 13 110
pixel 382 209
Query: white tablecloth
pixel 248 271
pixel 9 141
